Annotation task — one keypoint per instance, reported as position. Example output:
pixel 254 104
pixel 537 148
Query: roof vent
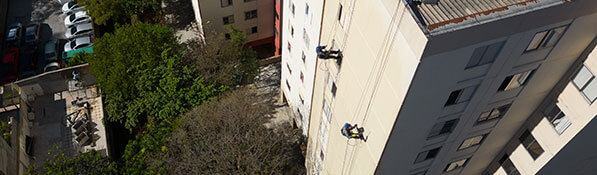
pixel 430 1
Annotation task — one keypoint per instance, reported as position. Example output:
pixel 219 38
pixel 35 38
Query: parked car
pixel 51 66
pixel 76 18
pixel 63 1
pixel 10 65
pixel 50 50
pixel 77 43
pixel 28 63
pixel 71 7
pixel 13 36
pixel 32 34
pixel 79 30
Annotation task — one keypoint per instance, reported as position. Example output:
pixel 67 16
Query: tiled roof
pixel 455 11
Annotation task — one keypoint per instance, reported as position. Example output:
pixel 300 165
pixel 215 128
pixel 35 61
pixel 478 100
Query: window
pixel 516 80
pixel 327 116
pixel 302 100
pixel 253 29
pixel 584 81
pixel 493 113
pixel 302 77
pixel 508 166
pixel 228 19
pixel 303 57
pixel 306 38
pixel 421 173
pixel 558 119
pixel 473 141
pixel 250 14
pixel 546 38
pixel 292 8
pixel 441 128
pixel 289 47
pixel 324 136
pixel 288 86
pixel 340 13
pixel 532 146
pixel 321 155
pixel 461 95
pixel 250 0
pixel 291 31
pixel 456 165
pixel 289 70
pixel 308 14
pixel 426 155
pixel 332 85
pixel 227 36
pixel 225 3
pixel 485 54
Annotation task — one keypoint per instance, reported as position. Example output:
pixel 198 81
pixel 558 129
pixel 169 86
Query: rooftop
pixel 448 15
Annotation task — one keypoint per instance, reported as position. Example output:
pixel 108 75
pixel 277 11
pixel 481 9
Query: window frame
pixel 491 111
pixel 529 141
pixel 483 137
pixel 434 152
pixel 252 14
pixel 528 75
pixel 581 89
pixel 546 39
pixel 442 131
pixel 552 116
pixel 459 98
pixel 482 53
pixel 229 2
pixel 457 167
pixel 229 19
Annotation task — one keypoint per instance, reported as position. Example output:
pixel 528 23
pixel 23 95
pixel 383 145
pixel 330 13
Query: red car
pixel 10 65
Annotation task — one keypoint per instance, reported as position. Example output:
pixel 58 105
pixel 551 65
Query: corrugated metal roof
pixel 455 11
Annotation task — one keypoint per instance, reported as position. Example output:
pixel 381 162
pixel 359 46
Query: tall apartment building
pixel 454 87
pixel 254 17
pixel 300 34
pixel 277 25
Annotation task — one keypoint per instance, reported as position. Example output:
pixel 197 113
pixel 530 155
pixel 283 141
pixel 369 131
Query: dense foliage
pixel 119 11
pixel 77 59
pixel 228 136
pixel 90 163
pixel 140 71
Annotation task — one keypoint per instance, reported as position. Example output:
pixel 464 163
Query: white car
pixel 77 43
pixel 76 18
pixel 63 1
pixel 71 7
pixel 79 30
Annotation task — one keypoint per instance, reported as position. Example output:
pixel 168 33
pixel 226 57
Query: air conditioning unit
pixel 430 1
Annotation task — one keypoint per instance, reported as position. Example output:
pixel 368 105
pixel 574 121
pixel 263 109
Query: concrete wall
pixel 440 74
pixel 211 13
pixel 381 44
pixel 292 59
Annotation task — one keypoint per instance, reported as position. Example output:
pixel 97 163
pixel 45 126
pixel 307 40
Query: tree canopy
pixel 228 136
pixel 91 163
pixel 119 11
pixel 140 71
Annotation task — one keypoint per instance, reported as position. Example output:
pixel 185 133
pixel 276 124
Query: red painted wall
pixel 277 24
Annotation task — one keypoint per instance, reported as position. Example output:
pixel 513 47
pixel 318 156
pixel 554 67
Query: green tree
pixel 141 73
pixel 224 61
pixel 77 59
pixel 230 136
pixel 120 11
pixel 85 163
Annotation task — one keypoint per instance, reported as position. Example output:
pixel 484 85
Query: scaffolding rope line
pixel 384 52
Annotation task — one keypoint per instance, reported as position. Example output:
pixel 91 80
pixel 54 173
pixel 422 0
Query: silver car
pixel 76 18
pixel 79 30
pixel 77 43
pixel 71 7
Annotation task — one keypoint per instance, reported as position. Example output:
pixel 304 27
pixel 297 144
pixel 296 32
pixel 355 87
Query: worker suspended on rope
pixel 327 54
pixel 347 131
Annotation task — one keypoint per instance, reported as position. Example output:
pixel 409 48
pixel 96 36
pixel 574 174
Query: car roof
pixel 14 25
pixel 84 39
pixel 81 14
pixel 84 26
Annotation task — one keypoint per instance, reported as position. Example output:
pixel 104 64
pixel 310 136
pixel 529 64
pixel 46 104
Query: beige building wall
pixel 378 38
pixel 209 14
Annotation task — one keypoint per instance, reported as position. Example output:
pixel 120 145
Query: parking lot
pixel 45 12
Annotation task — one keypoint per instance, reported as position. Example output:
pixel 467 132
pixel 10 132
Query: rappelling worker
pixel 327 54
pixel 348 131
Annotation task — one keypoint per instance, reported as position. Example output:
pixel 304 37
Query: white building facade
pixel 300 36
